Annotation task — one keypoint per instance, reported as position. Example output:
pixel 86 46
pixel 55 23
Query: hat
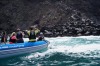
pixel 41 33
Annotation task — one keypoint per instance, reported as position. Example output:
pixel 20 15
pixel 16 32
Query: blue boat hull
pixel 21 48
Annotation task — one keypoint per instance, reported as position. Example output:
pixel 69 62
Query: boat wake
pixel 84 50
pixel 80 45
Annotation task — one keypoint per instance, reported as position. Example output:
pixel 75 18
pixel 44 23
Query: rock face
pixel 54 17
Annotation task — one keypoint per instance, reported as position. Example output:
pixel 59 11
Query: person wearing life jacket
pixel 40 37
pixel 3 37
pixel 32 34
pixel 19 36
pixel 13 38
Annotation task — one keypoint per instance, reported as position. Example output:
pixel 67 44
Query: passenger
pixel 32 33
pixel 3 37
pixel 13 38
pixel 40 37
pixel 19 36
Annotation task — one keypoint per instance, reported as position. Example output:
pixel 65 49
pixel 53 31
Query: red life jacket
pixel 12 39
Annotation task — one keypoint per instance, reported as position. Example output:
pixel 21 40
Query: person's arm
pixel 22 34
pixel 5 39
pixel 37 32
pixel 27 32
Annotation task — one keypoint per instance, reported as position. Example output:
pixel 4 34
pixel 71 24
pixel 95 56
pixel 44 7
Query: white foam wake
pixel 82 44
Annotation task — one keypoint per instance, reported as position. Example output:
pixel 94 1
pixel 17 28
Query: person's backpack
pixel 19 35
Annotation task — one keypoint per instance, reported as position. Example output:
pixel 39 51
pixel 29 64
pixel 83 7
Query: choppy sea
pixel 62 51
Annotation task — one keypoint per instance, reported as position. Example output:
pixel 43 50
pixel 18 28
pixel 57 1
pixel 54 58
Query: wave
pixel 87 46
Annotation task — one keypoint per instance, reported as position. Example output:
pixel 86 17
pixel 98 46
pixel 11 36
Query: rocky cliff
pixel 54 17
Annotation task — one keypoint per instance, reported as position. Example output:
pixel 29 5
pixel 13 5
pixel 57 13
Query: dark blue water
pixel 62 51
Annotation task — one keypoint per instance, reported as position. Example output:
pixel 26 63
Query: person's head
pixel 3 33
pixel 41 34
pixel 13 34
pixel 18 29
pixel 32 28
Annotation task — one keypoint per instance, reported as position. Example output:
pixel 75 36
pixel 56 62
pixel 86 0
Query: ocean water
pixel 62 51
